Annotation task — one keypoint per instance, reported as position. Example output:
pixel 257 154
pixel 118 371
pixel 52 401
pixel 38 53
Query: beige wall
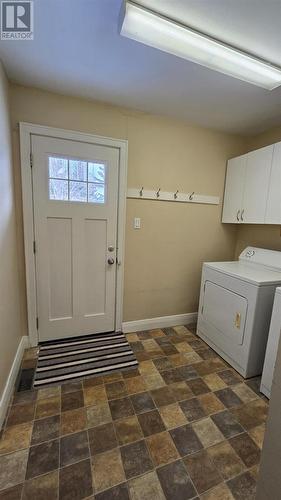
pixel 266 236
pixel 269 137
pixel 163 259
pixel 263 236
pixel 10 313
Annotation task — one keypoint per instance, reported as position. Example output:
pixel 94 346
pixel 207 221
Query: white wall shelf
pixel 158 195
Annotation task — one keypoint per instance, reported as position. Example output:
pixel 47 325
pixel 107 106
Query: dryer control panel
pixel 262 257
pixel 250 253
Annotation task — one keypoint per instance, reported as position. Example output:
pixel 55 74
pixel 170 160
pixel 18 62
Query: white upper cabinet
pixel 256 185
pixel 273 207
pixel 234 188
pixel 250 196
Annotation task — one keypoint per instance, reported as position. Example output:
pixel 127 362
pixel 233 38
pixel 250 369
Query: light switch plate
pixel 137 223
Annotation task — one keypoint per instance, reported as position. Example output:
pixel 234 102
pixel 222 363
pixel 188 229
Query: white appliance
pixel 235 307
pixel 272 345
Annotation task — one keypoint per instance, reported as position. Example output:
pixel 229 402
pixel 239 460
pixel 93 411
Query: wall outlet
pixel 137 223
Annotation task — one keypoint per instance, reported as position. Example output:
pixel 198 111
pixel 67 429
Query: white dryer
pixel 272 345
pixel 235 307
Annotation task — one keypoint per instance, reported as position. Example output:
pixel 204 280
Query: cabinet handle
pixel 237 215
pixel 242 213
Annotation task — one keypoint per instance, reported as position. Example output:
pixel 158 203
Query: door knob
pixel 110 261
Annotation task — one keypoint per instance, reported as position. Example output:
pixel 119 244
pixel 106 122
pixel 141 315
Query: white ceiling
pixel 77 50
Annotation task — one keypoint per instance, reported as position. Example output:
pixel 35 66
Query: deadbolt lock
pixel 111 248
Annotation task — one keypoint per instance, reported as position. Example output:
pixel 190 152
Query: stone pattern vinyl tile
pixel 183 425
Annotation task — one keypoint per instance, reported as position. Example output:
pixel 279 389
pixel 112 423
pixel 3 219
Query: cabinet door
pixel 234 187
pixel 273 208
pixel 256 185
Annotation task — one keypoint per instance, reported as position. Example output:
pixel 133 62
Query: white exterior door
pixel 75 196
pixel 234 189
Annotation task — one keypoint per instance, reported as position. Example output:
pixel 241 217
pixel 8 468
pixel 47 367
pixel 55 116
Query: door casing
pixel 26 131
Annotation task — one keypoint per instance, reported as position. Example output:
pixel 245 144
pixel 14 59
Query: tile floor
pixel 184 425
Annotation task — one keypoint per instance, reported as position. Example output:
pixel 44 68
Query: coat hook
pixel 158 193
pixel 176 194
pixel 141 191
pixel 191 196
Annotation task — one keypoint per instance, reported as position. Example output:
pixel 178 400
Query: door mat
pixel 96 354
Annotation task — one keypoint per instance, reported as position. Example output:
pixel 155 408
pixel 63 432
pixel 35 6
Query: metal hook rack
pixel 175 196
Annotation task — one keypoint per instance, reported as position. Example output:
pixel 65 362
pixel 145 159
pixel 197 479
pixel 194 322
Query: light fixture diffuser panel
pixel 153 29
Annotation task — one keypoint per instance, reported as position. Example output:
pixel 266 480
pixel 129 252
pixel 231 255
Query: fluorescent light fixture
pixel 154 29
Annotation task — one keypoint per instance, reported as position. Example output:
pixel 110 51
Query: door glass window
pixel 77 180
pixel 78 170
pixel 58 168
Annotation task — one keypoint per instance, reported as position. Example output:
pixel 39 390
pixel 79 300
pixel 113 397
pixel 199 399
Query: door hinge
pixel 31 160
pixel 34 246
pixel 37 323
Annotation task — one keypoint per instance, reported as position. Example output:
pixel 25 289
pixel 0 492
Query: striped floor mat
pixel 97 354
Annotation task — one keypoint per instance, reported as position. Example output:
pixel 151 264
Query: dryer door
pixel 226 311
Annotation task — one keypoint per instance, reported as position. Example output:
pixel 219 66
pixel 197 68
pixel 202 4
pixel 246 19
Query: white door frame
pixel 26 130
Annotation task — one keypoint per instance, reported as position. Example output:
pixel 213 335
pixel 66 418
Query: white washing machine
pixel 272 345
pixel 235 307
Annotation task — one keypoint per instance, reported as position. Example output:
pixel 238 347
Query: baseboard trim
pixel 8 389
pixel 161 322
